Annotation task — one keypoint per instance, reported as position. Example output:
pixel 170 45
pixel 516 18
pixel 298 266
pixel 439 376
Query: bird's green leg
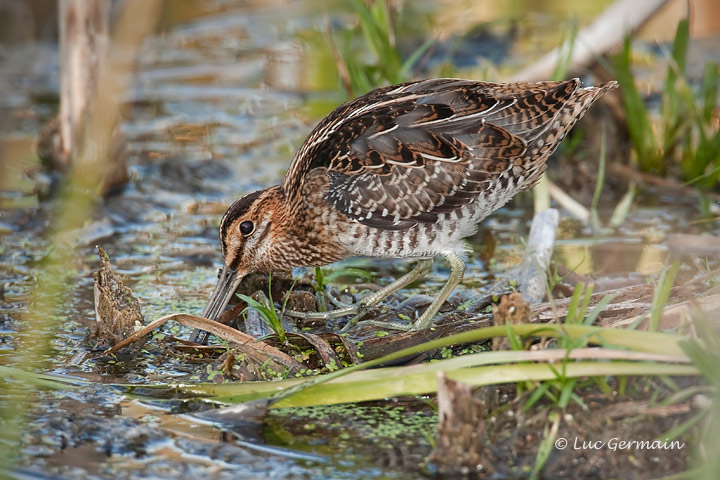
pixel 457 270
pixel 366 303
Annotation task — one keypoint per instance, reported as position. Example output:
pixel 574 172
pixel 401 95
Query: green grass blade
pixel 347 272
pixel 572 310
pixel 268 314
pixel 683 428
pixel 598 309
pixel 546 447
pixel 537 394
pixel 711 80
pixel 42 380
pixel 513 338
pixel 565 52
pixel 639 127
pixel 600 182
pixel 622 209
pixel 375 25
pixel 586 301
pixel 704 360
pixel 320 280
pixel 676 70
pixel 368 25
pixel 387 383
pixel 661 295
pixel 414 57
pixel 566 392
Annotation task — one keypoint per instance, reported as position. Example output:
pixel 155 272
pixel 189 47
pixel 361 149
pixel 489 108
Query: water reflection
pixel 223 96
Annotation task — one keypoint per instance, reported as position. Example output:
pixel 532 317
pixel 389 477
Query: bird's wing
pixel 408 153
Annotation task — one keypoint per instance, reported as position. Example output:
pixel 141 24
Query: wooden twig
pixel 242 341
pixel 604 34
pixel 575 208
pixel 84 42
pixel 533 271
pixel 678 315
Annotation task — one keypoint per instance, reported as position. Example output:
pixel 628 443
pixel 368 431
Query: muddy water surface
pixel 223 97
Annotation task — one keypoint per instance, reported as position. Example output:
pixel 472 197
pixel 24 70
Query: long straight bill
pixel 228 281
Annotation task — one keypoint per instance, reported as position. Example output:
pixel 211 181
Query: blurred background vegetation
pixel 219 96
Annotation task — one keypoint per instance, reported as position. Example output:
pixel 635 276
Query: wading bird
pixel 405 171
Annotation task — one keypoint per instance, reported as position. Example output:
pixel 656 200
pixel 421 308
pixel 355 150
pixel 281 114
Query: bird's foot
pixel 423 322
pixel 404 327
pixel 358 309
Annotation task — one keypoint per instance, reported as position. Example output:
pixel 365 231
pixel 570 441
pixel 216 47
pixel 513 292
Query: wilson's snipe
pixel 404 171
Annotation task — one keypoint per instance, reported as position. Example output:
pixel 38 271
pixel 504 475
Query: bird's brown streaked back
pixel 408 153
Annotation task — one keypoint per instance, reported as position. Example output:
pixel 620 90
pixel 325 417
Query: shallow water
pixel 223 97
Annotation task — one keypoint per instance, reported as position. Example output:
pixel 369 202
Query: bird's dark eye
pixel 247 227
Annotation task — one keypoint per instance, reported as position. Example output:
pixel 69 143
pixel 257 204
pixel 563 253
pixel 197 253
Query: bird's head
pixel 245 233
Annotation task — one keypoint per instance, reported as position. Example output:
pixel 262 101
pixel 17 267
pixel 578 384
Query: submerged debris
pixel 541 244
pixel 461 431
pixel 512 308
pixel 117 310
